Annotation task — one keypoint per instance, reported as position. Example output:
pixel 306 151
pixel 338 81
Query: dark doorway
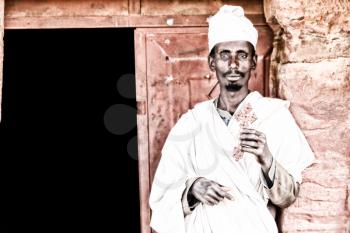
pixel 68 150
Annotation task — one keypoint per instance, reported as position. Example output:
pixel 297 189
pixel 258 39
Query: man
pixel 230 160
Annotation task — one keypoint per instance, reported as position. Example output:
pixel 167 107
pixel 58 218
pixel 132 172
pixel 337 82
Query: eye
pixel 225 55
pixel 242 55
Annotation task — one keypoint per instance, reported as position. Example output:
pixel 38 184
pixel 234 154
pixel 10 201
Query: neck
pixel 229 100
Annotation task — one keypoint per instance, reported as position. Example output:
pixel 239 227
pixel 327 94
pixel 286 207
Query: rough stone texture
pixel 311 68
pixel 313 30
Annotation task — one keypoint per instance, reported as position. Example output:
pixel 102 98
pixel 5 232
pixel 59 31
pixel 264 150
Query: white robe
pixel 201 145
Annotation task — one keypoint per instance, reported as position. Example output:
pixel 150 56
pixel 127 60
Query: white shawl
pixel 201 145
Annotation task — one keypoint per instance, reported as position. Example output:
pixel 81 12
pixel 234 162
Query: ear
pixel 211 63
pixel 254 60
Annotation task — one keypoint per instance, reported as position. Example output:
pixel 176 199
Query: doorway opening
pixel 68 130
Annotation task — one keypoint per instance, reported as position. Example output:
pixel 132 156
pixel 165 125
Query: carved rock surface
pixel 311 68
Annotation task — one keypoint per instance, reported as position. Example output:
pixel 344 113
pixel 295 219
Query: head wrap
pixel 230 24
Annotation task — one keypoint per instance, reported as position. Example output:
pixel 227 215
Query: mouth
pixel 233 78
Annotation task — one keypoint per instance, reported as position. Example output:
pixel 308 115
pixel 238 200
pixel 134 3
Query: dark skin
pixel 233 62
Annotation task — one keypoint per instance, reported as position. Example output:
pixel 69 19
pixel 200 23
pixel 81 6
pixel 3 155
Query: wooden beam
pixel 202 7
pixel 134 7
pixel 32 14
pixel 57 8
pixel 139 21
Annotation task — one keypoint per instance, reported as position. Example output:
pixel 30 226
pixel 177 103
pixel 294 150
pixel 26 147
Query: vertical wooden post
pixel 142 129
pixel 2 10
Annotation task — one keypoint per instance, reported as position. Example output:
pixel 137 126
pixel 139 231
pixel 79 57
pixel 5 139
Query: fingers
pixel 249 137
pixel 203 200
pixel 251 150
pixel 252 141
pixel 226 189
pixel 252 135
pixel 209 198
pixel 210 192
pixel 219 191
pixel 227 195
pixel 214 194
pixel 224 192
pixel 253 144
pixel 214 197
pixel 250 131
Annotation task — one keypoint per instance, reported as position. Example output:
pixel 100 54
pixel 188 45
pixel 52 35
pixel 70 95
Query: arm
pixel 279 184
pixel 188 201
pixel 202 190
pixel 169 181
pixel 281 187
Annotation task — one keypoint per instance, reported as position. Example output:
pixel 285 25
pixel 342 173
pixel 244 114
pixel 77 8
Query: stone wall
pixel 311 68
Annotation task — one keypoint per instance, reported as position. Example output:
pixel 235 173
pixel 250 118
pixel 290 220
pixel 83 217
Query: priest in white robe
pixel 228 162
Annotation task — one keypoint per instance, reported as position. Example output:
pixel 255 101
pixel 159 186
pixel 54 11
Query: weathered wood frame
pixel 28 14
pixel 112 21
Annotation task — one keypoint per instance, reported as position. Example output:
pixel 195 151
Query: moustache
pixel 235 72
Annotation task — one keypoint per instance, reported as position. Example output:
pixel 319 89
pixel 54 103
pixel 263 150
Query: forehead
pixel 234 46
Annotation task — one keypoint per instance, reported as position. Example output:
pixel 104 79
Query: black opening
pixel 68 148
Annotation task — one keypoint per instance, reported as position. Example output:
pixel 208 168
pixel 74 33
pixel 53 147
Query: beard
pixel 233 87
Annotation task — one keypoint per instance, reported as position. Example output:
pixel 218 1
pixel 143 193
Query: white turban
pixel 230 24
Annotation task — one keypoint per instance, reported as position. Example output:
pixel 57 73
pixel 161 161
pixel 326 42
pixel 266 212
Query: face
pixel 233 62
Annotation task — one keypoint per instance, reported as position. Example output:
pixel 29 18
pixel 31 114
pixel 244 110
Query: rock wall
pixel 311 68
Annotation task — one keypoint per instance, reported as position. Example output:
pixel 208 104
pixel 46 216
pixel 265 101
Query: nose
pixel 233 63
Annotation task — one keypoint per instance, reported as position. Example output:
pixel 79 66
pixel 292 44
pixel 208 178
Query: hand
pixel 209 192
pixel 254 142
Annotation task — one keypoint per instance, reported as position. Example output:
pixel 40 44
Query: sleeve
pixel 288 144
pixel 169 182
pixel 284 189
pixel 271 175
pixel 187 209
pixel 291 153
